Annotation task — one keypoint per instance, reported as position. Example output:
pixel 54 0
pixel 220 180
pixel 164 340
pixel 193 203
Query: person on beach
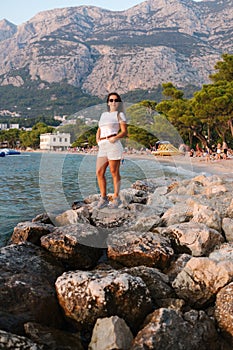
pixel 199 151
pixel 112 127
pixel 225 149
pixel 219 150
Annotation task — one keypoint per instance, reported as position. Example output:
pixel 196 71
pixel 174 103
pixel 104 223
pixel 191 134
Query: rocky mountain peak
pixel 7 29
pixel 99 50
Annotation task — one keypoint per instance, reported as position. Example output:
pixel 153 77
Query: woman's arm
pixel 97 135
pixel 121 134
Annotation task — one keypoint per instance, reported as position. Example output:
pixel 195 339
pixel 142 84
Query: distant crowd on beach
pixel 94 150
pixel 217 152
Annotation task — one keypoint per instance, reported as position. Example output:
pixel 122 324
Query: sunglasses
pixel 114 100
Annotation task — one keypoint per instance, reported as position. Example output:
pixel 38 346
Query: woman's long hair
pixel 121 104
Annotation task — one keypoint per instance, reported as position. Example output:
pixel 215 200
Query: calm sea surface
pixel 34 183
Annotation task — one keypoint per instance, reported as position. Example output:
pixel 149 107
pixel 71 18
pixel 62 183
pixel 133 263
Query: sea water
pixel 34 183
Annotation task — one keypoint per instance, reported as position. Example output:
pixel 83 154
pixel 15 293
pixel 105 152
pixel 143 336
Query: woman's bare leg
pixel 114 166
pixel 101 166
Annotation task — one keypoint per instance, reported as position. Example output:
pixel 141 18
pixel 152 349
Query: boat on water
pixel 8 152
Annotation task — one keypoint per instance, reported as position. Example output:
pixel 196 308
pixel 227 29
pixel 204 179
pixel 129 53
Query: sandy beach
pixel 195 164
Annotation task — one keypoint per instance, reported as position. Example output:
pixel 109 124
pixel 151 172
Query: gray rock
pixel 111 333
pixel 109 218
pixel 146 223
pixel 158 201
pixel 30 231
pixel 227 226
pixel 201 278
pixel 224 253
pixel 143 185
pixel 167 329
pixel 215 189
pixel 12 341
pixel 27 292
pixel 180 212
pixel 224 310
pixel 208 216
pixel 131 195
pixel 177 266
pixel 86 296
pixel 43 218
pixel 156 281
pixel 70 217
pixel 229 211
pixel 132 248
pixel 52 338
pixel 77 245
pixel 194 238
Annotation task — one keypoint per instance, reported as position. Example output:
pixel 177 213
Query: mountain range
pixel 99 50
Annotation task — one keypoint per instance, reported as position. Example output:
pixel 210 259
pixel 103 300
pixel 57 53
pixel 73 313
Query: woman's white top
pixel 109 123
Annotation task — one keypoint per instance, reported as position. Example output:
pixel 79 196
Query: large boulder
pixel 30 231
pixel 71 217
pixel 194 238
pixel 224 311
pixel 156 281
pixel 215 189
pixel 178 213
pixel 134 248
pixel 86 296
pixel 27 292
pixel 76 245
pixel 201 278
pixel 145 223
pixel 131 195
pixel 158 201
pixel 207 215
pixel 168 329
pixel 109 218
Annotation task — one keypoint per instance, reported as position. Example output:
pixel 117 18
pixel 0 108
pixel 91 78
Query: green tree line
pixel 207 116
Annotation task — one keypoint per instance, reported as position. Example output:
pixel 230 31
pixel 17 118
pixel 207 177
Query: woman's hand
pixel 112 139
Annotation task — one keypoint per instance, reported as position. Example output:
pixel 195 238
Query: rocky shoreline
pixel 156 273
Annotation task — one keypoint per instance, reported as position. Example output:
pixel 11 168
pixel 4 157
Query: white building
pixel 55 142
pixel 3 126
pixel 14 126
pixel 10 126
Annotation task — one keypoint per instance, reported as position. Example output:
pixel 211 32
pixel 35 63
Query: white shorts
pixel 111 151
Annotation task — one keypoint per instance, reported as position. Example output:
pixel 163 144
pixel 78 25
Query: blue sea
pixel 34 183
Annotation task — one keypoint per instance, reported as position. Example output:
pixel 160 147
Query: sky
pixel 20 11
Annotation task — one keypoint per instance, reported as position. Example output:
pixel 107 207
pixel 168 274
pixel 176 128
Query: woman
pixel 224 148
pixel 219 150
pixel 112 127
